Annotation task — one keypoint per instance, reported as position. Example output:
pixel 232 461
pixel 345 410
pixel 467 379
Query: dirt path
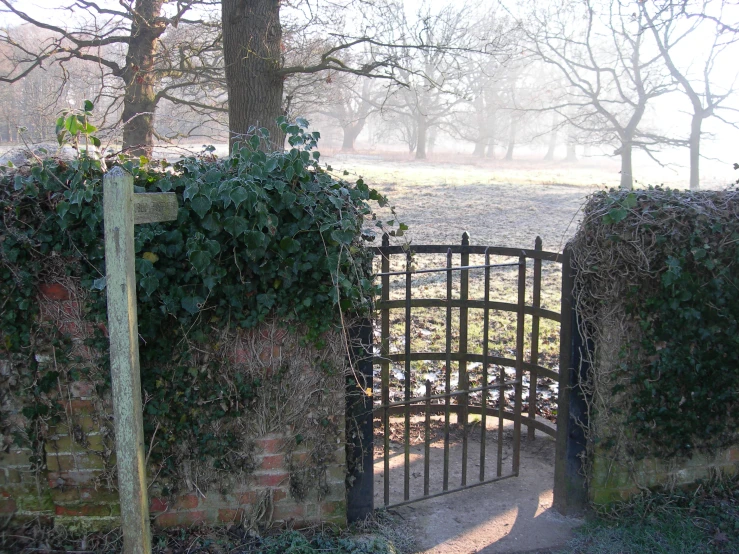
pixel 512 515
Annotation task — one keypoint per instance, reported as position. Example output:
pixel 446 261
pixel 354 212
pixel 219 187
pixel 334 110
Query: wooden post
pixel 118 199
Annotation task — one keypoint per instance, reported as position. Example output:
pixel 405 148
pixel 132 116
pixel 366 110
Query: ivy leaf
pixel 211 223
pixel 192 304
pixel 98 284
pixel 150 256
pixel 342 237
pixel 62 208
pixel 191 190
pixel 201 205
pixel 213 176
pixel 149 284
pixel 254 239
pixel 270 165
pixel 213 246
pixel 615 215
pixel 238 195
pixel 200 260
pixel 288 198
pixel 287 244
pixel 235 225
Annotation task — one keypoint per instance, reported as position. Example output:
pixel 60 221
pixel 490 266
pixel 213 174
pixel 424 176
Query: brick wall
pixel 614 474
pixel 74 484
pixel 612 481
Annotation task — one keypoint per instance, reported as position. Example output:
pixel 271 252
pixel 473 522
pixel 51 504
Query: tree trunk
pixel 139 98
pixel 491 149
pixel 511 139
pixel 695 150
pixel 549 156
pixel 479 150
pixel 252 39
pixel 571 152
pixel 351 132
pixel 422 136
pixel 627 175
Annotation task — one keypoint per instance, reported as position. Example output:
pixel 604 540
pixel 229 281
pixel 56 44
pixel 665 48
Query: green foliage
pixel 75 124
pixel 684 370
pixel 705 521
pixel 258 235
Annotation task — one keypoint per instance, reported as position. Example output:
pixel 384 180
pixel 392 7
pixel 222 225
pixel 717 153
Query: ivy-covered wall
pixel 289 466
pixel 242 309
pixel 657 296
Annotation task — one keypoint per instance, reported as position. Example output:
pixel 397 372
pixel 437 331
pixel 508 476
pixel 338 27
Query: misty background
pixel 503 86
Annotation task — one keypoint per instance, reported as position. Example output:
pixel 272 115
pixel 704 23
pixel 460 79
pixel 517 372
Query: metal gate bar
pixel 425 404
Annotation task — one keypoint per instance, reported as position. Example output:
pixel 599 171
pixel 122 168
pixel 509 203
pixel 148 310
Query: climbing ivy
pixel 671 260
pixel 258 235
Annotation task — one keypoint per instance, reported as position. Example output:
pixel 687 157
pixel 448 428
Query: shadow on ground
pixel 511 515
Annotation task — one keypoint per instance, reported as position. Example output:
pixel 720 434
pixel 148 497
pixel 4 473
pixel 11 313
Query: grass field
pixel 498 207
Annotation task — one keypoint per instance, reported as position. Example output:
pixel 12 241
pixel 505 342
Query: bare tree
pixel 376 42
pixel 122 41
pixel 350 106
pixel 671 25
pixel 611 75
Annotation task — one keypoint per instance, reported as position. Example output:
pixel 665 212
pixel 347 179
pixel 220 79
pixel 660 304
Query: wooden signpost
pixel 123 209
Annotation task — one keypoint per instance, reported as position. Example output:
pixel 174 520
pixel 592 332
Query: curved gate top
pixel 429 419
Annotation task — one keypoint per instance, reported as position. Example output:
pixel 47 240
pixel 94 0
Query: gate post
pixel 570 493
pixel 359 427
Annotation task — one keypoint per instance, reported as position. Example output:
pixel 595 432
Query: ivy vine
pixel 258 235
pixel 670 259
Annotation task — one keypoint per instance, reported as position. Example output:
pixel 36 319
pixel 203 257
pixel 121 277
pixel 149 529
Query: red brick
pixel 230 516
pixel 187 502
pixel 84 510
pixel 7 506
pixel 71 494
pixel 249 497
pixel 271 479
pixel 66 463
pixel 70 307
pixel 71 478
pixel 159 505
pixel 734 454
pixel 79 407
pixel 72 329
pixel 265 355
pixel 273 461
pixel 81 389
pixel 300 457
pixel 278 494
pixel 54 291
pixel 100 494
pixel 240 356
pixel 176 519
pixel 287 511
pixel 270 444
pixel 331 508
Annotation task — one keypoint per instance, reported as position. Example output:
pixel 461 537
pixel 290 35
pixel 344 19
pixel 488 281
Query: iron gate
pixel 460 401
